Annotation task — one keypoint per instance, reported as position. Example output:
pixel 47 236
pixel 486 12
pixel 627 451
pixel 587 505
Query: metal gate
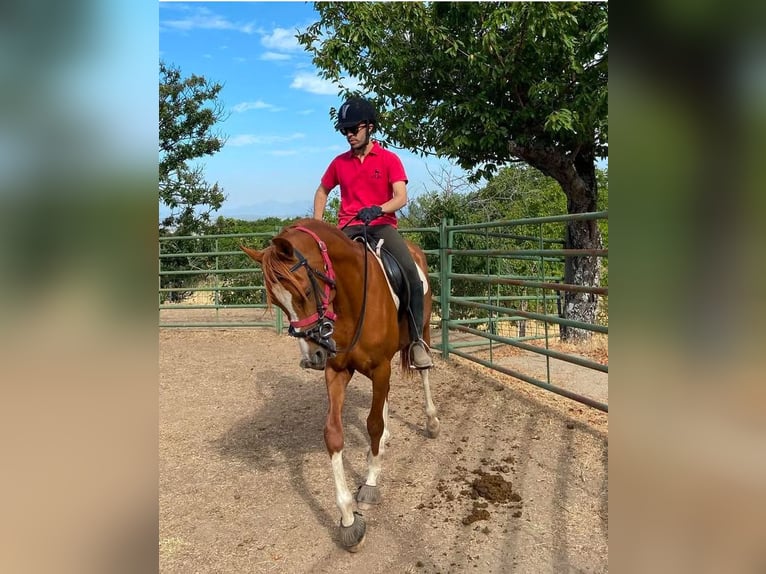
pixel 497 290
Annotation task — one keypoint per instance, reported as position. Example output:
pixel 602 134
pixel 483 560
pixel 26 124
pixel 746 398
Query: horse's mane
pixel 321 228
pixel 276 270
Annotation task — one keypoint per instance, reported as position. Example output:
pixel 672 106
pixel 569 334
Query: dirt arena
pixel 516 482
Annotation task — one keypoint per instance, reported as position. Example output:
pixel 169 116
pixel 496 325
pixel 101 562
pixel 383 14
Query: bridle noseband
pixel 320 325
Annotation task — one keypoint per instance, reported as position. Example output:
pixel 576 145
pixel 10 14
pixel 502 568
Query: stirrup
pixel 411 350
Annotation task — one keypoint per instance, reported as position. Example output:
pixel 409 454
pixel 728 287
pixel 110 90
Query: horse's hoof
pixel 367 496
pixel 352 537
pixel 433 428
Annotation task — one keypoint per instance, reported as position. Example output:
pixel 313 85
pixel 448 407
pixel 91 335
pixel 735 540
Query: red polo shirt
pixel 363 184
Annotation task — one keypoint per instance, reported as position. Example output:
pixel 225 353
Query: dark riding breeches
pixel 395 245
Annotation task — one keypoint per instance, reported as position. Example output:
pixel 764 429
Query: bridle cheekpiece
pixel 319 326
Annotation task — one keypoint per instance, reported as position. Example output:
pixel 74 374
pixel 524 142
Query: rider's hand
pixel 368 214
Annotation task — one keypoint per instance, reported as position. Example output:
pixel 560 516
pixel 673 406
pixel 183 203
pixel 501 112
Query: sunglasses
pixel 353 131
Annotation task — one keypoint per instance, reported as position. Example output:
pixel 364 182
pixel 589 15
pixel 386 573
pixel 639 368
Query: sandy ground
pixel 516 482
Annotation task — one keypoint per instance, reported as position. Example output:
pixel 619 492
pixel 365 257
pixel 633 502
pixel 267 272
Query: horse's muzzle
pixel 324 345
pixel 316 360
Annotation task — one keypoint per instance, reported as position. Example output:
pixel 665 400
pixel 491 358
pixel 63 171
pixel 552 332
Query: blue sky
pixel 280 136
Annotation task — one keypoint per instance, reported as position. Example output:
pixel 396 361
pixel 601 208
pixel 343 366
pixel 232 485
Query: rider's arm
pixel 320 201
pixel 398 201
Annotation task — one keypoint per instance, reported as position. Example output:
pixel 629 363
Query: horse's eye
pixel 307 291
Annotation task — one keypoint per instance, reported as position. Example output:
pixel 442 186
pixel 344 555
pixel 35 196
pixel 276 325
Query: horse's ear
pixel 283 248
pixel 253 254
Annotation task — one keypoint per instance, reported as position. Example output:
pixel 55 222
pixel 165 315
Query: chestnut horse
pixel 342 311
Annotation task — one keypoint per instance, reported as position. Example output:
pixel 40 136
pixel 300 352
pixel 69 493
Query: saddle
pixel 393 271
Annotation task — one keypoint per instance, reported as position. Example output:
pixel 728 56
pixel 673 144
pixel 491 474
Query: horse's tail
pixel 404 363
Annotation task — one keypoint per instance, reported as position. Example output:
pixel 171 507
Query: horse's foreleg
pixel 352 527
pixel 377 423
pixel 386 432
pixel 432 424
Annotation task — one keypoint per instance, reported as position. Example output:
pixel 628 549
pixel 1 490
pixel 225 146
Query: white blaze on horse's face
pixel 286 300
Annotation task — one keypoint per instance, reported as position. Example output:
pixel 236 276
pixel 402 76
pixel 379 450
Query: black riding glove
pixel 367 214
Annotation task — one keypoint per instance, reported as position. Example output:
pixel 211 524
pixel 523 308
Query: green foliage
pixel 517 192
pixel 487 204
pixel 603 204
pixel 186 259
pixel 603 226
pixel 234 258
pixel 189 109
pixel 228 225
pixel 480 82
pixel 222 253
pixel 331 210
pixel 485 84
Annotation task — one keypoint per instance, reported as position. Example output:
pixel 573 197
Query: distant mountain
pixel 272 208
pixel 255 211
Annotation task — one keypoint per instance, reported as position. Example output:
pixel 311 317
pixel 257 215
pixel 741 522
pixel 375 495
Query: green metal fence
pixel 497 296
pixel 198 276
pixel 519 264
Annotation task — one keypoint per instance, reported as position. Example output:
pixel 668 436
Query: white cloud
pixel 274 56
pixel 205 19
pixel 281 40
pixel 257 105
pixel 251 139
pixel 309 82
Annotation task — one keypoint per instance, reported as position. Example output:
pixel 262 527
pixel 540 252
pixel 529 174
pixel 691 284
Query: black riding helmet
pixel 354 111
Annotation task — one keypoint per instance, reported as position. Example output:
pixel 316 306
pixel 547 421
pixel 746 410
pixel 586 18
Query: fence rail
pixel 498 290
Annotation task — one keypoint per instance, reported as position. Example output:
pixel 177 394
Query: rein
pixel 323 319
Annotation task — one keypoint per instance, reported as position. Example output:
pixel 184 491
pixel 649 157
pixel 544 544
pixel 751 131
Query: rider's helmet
pixel 354 111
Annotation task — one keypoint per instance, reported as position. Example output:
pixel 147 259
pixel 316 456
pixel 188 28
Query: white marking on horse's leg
pixel 432 425
pixel 343 497
pixel 386 432
pixel 374 463
pixel 374 466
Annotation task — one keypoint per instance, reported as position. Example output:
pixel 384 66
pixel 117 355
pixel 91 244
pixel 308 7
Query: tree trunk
pixel 523 322
pixel 584 271
pixel 577 178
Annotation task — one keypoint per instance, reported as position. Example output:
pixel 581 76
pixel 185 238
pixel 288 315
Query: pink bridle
pixel 328 278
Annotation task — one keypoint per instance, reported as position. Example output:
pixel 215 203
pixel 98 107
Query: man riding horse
pixel 373 186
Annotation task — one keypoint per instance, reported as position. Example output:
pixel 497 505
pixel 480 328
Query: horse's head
pixel 302 284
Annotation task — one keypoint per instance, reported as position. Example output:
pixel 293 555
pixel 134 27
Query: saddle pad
pixel 379 258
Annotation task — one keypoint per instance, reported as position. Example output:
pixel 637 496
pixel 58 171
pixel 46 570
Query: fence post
pixel 278 322
pixel 279 319
pixel 445 263
pixel 216 293
pixel 541 246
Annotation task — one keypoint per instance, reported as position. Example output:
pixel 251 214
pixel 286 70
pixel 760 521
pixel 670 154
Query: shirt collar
pixel 373 150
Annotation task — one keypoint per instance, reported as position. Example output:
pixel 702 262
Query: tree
pixel 189 109
pixel 486 84
pixel 331 209
pixel 266 228
pixel 520 192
